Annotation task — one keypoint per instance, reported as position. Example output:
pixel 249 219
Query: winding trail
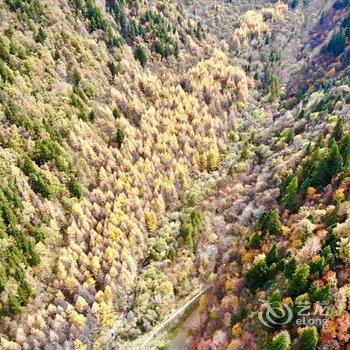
pixel 171 318
pixel 146 343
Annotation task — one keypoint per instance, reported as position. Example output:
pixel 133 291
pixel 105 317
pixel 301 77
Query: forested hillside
pixel 280 266
pixel 149 149
pixel 102 129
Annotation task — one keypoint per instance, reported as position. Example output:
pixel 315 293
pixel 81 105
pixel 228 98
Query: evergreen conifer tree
pixel 275 226
pixel 337 43
pixel 294 4
pixel 290 267
pixel 290 199
pixel 281 342
pixel 255 241
pixel 299 282
pixel 335 161
pixel 120 137
pixel 257 275
pixel 141 55
pixel 308 339
pixel 330 165
pixel 272 256
pixel 344 149
pixel 14 305
pixel 41 36
pixel 338 131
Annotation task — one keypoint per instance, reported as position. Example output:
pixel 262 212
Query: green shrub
pixel 280 265
pixel 12 196
pixel 244 312
pixel 94 14
pixel 273 316
pixel 335 160
pixel 92 116
pixel 199 31
pixel 331 241
pixel 275 297
pixel 273 85
pixel 2 228
pixel 32 255
pixel 8 215
pixel 301 115
pixel 3 142
pixel 32 8
pixel 289 136
pixel 26 246
pixel 12 114
pixel 290 103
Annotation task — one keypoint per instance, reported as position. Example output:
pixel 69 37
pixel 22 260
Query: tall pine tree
pixel 290 199
pixel 337 43
pixel 344 149
pixel 338 131
pixel 330 165
pixel 141 55
pixel 335 161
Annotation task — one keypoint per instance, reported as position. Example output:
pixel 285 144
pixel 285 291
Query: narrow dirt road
pixel 146 343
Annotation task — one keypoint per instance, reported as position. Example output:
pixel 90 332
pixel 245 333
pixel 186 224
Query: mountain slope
pixel 151 148
pixel 283 202
pixel 99 137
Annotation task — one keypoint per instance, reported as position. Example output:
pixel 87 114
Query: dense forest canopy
pixel 151 151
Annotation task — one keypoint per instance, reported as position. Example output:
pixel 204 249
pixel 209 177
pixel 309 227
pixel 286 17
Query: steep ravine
pixel 217 203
